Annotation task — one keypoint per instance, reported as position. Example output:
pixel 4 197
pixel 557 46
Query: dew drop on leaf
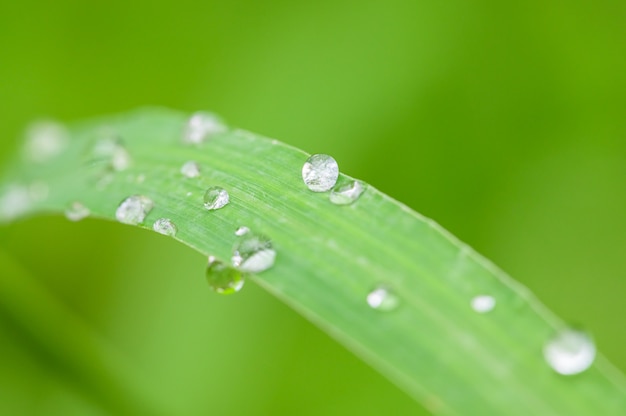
pixel 215 197
pixel 202 126
pixel 346 193
pixel 190 169
pixel 382 299
pixel 15 201
pixel 110 151
pixel 320 173
pixel 134 209
pixel 241 231
pixel 165 226
pixel 483 303
pixel 76 212
pixel 570 352
pixel 253 253
pixel 45 140
pixel 222 278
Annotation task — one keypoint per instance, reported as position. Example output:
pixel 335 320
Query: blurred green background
pixel 504 122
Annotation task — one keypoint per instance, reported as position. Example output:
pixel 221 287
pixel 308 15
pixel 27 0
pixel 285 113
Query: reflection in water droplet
pixel 215 198
pixel 201 126
pixel 45 140
pixel 570 352
pixel 14 202
pixel 253 253
pixel 222 278
pixel 165 226
pixel 383 299
pixel 190 169
pixel 320 173
pixel 77 212
pixel 134 209
pixel 346 193
pixel 243 230
pixel 483 303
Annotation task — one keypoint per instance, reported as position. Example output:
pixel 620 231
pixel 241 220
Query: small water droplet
pixel 190 169
pixel 201 126
pixel 253 253
pixel 134 209
pixel 165 226
pixel 382 299
pixel 483 303
pixel 320 173
pixel 15 201
pixel 77 212
pixel 241 231
pixel 189 193
pixel 141 178
pixel 45 140
pixel 570 352
pixel 112 152
pixel 215 198
pixel 222 278
pixel 346 193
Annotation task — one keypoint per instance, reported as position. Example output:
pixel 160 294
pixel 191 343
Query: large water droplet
pixel 190 169
pixel 45 140
pixel 222 278
pixel 320 173
pixel 215 198
pixel 253 253
pixel 165 226
pixel 383 299
pixel 77 212
pixel 15 201
pixel 241 231
pixel 570 352
pixel 346 193
pixel 483 303
pixel 201 126
pixel 134 209
pixel 112 152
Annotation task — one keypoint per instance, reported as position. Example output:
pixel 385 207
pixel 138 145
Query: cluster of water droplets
pixel 568 352
pixel 320 174
pixel 201 127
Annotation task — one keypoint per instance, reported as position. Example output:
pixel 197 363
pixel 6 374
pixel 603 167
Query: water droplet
pixel 201 126
pixel 77 212
pixel 215 198
pixel 241 231
pixel 253 253
pixel 570 352
pixel 45 140
pixel 189 193
pixel 190 169
pixel 320 173
pixel 483 303
pixel 383 299
pixel 134 209
pixel 222 278
pixel 346 193
pixel 113 153
pixel 15 201
pixel 141 178
pixel 165 226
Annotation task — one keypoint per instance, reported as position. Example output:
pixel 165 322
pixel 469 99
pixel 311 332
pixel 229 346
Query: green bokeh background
pixel 504 122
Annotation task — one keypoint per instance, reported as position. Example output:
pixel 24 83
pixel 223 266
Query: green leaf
pixel 432 344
